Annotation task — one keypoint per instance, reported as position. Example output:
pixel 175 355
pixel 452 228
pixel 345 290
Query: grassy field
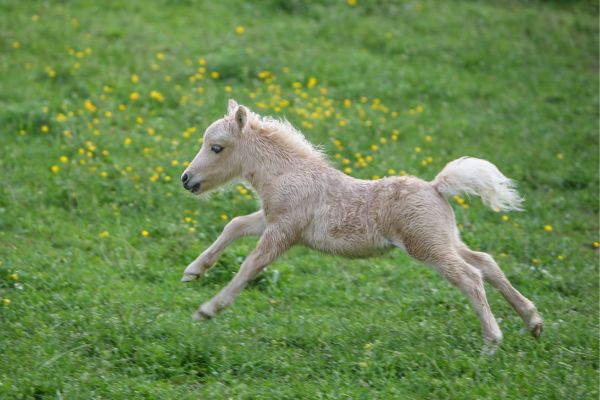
pixel 103 102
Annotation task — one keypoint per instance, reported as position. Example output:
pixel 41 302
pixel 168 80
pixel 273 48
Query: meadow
pixel 103 103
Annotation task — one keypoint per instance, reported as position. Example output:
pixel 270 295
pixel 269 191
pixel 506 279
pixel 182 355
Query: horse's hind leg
pixel 494 275
pixel 468 280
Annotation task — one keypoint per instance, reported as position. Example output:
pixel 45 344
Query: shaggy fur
pixel 305 201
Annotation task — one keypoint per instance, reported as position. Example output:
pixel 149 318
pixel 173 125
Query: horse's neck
pixel 265 176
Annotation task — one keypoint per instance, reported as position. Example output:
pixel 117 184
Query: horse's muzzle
pixel 185 179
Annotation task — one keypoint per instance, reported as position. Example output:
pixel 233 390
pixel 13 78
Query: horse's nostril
pixel 185 178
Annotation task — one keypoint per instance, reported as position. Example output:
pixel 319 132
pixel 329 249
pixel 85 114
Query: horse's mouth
pixel 195 189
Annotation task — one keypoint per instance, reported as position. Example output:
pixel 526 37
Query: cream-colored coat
pixel 306 201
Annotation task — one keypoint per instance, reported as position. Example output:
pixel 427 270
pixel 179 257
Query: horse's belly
pixel 354 246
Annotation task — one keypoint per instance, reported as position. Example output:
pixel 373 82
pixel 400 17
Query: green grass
pixel 98 310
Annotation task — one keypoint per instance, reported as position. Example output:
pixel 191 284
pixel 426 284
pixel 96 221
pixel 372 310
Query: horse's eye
pixel 217 148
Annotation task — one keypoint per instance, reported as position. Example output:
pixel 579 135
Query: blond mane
pixel 284 134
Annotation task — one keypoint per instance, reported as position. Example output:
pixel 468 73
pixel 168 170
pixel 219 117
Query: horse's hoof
pixel 189 277
pixel 489 349
pixel 536 331
pixel 200 316
pixel 535 325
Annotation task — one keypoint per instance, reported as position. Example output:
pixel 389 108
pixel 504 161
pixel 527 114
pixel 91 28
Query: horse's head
pixel 220 157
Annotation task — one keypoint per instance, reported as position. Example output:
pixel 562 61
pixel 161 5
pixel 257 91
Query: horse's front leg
pixel 273 242
pixel 247 225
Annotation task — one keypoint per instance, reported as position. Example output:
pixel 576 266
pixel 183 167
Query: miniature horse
pixel 306 201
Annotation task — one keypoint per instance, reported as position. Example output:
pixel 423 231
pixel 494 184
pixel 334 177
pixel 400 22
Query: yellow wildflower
pixel 89 106
pixel 135 78
pixel 145 233
pixel 64 159
pixel 239 30
pixel 104 234
pixel 55 168
pixel 264 74
pixel 215 75
pixel 6 302
pixel 127 141
pixel 134 96
pixel 156 95
pixel 548 228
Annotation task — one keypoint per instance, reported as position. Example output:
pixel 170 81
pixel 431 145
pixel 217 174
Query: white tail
pixel 479 177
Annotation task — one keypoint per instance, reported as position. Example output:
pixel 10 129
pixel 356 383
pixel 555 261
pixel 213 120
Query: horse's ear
pixel 241 117
pixel 232 106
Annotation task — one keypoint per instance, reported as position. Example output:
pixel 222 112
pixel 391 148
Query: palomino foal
pixel 306 201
